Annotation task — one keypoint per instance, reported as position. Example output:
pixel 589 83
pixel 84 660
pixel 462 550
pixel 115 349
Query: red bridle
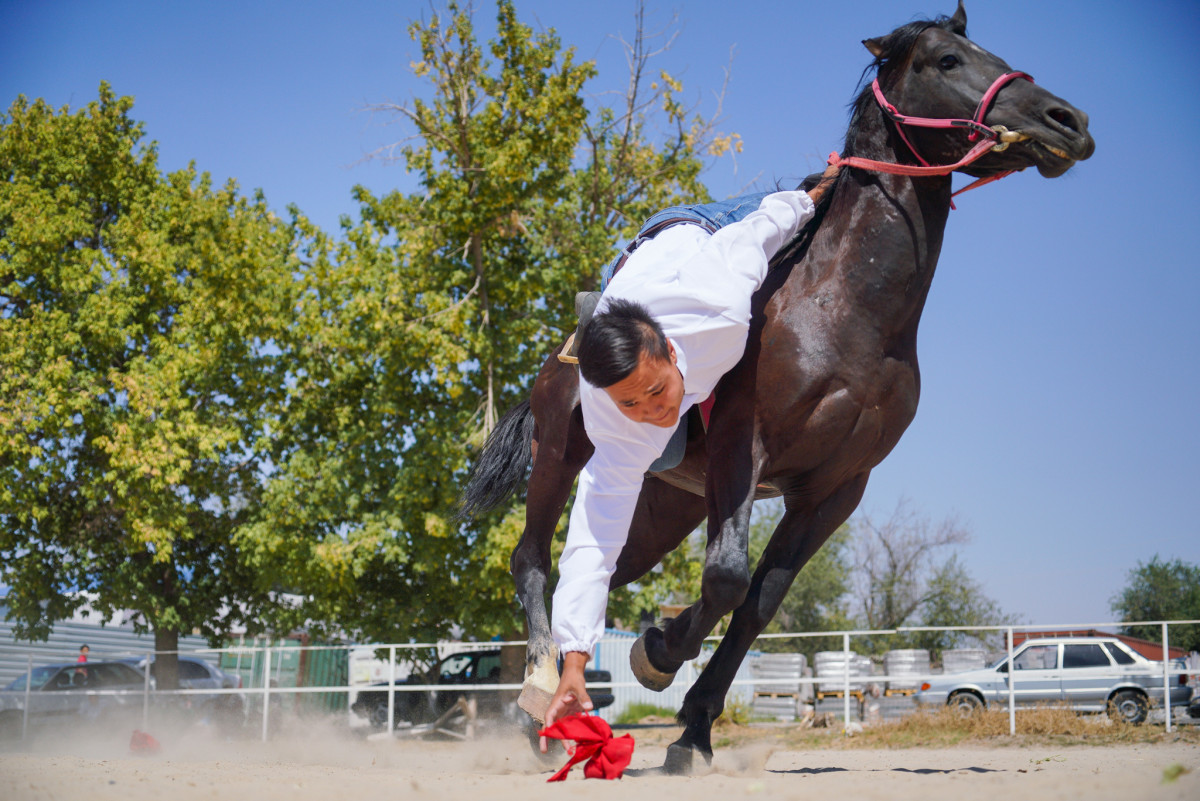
pixel 993 138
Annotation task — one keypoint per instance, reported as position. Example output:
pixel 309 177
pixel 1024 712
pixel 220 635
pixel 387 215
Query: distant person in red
pixel 83 654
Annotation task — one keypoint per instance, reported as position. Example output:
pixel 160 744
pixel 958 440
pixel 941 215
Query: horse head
pixel 930 77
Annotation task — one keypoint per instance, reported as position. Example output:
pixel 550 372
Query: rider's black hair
pixel 613 341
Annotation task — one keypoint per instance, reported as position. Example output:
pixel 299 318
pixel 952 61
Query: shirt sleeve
pixel 605 502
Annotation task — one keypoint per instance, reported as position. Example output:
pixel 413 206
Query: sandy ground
pixel 499 768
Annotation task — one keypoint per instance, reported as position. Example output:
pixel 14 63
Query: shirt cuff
pixel 576 645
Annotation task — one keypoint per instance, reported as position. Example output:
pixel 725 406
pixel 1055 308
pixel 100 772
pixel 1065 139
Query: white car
pixel 1089 674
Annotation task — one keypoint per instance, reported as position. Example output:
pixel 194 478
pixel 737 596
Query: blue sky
pixel 1060 344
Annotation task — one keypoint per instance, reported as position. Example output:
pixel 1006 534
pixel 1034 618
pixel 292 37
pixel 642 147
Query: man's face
pixel 652 393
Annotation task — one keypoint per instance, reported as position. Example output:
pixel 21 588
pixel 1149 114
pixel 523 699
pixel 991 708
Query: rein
pixel 995 138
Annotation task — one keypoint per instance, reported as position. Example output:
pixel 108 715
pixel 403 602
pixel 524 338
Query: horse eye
pixel 948 62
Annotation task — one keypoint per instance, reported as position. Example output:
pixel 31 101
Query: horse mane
pixel 894 50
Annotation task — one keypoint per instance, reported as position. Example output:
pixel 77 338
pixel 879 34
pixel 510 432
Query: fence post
pixel 392 689
pixel 266 688
pixel 1012 688
pixel 846 682
pixel 1166 676
pixel 146 693
pixel 28 687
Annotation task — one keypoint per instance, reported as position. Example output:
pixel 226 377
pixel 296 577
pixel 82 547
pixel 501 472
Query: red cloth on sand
pixel 607 756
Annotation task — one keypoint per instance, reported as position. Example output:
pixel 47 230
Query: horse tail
pixel 502 463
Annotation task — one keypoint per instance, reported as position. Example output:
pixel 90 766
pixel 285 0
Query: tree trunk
pixel 166 660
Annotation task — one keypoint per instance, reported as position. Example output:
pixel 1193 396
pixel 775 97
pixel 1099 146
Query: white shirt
pixel 698 287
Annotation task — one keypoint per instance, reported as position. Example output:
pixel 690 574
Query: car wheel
pixel 379 715
pixel 1128 706
pixel 965 703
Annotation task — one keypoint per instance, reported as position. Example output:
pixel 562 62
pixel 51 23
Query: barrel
pixel 904 662
pixel 831 666
pixel 957 660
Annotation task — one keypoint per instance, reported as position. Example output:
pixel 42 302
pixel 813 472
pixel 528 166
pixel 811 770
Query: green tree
pixel 956 599
pixel 903 579
pixel 137 313
pixel 435 311
pixel 1161 590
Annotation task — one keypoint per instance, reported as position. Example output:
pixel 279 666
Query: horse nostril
pixel 1065 118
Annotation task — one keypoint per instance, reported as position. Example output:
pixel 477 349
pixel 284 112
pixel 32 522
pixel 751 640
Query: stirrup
pixel 585 306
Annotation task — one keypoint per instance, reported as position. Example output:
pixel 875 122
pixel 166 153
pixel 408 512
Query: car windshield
pixel 455 666
pixel 41 675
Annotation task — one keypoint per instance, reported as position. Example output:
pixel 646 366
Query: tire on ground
pixel 965 703
pixel 1128 706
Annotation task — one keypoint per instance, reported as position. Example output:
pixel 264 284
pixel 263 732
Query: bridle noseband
pixel 991 138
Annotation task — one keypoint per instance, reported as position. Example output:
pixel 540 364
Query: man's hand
pixel 571 696
pixel 825 182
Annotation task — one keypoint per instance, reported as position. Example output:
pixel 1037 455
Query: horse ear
pixel 874 46
pixel 959 20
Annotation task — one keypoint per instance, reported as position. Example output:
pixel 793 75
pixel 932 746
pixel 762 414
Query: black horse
pixel 829 379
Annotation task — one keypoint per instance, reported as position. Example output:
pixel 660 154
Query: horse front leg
pixel 799 535
pixel 734 463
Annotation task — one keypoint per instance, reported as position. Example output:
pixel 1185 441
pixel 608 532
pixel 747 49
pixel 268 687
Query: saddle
pixel 585 306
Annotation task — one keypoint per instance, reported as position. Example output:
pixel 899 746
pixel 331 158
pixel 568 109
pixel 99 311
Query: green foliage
pixel 955 599
pixel 203 405
pixel 738 711
pixel 676 580
pixel 1161 590
pixel 137 316
pixel 637 712
pixel 433 313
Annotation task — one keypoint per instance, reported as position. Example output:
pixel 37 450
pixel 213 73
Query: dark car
pixel 470 667
pixel 198 674
pixel 72 693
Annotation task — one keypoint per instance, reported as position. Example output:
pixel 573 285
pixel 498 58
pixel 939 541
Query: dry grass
pixel 1044 725
pixel 1048 725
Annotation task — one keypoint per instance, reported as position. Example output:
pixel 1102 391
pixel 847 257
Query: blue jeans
pixel 710 216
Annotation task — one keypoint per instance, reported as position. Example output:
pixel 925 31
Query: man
pixel 668 326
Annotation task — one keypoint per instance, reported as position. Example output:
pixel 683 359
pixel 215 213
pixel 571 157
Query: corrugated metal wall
pixel 612 654
pixel 115 639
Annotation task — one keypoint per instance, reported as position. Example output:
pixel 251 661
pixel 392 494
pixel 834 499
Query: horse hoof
pixel 535 701
pixel 679 760
pixel 538 690
pixel 647 674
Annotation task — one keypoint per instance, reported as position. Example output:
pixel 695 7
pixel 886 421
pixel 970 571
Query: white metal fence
pixel 261 695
